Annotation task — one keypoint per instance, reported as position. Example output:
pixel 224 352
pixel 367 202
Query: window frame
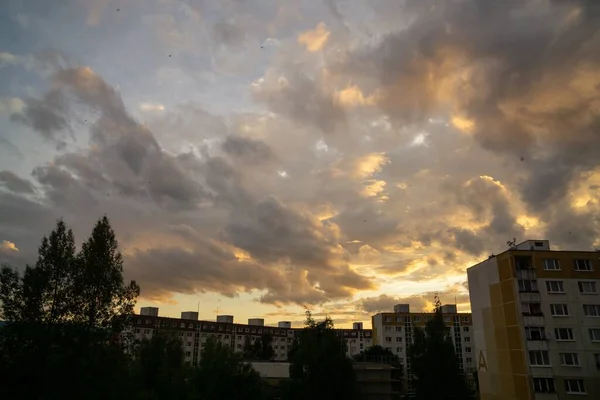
pixel 595 307
pixel 559 283
pixel 549 385
pixel 539 358
pixel 559 306
pixel 555 264
pixel 574 357
pixel 523 287
pixel 569 330
pixel 587 262
pixel 540 329
pixel 580 286
pixel 580 384
pixel 594 334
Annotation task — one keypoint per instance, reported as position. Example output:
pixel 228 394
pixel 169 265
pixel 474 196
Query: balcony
pixel 523 263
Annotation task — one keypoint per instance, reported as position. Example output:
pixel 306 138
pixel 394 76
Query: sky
pixel 259 157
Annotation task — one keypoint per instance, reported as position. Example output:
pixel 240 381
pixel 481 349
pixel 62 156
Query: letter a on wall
pixel 482 363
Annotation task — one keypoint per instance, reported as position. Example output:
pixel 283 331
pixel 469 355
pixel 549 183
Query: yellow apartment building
pixel 536 323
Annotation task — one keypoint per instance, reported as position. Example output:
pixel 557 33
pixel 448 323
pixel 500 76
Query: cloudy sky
pixel 259 156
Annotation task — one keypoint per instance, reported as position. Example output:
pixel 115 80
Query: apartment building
pixel 536 323
pixel 194 333
pixel 394 330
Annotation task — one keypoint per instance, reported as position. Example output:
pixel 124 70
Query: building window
pixel 551 265
pixel 146 331
pixel 467 349
pixel 555 287
pixel 532 308
pixel 388 339
pixel 528 285
pixel 469 359
pixel 189 334
pixel 569 359
pixel 398 339
pixel 544 385
pixel 591 310
pixel 582 265
pixel 574 386
pixel 595 335
pixel 416 319
pixel 587 287
pixel 597 360
pixel 180 334
pixel 446 319
pixel 535 333
pixel 387 319
pixel 559 310
pixel 182 325
pixel 188 353
pixel 465 329
pixel 398 329
pixel 148 322
pixel 387 328
pixel 564 334
pixel 137 330
pixel 539 358
pixel 467 339
pixel 399 319
pixel 465 319
pixel 398 349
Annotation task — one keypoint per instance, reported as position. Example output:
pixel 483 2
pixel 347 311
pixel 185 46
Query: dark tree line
pixel 434 362
pixel 68 335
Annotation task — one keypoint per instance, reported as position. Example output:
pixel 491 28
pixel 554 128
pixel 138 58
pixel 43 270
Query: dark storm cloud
pixel 301 98
pixel 47 116
pixel 125 154
pixel 247 150
pixel 209 267
pixel 228 33
pixel 15 184
pixel 294 257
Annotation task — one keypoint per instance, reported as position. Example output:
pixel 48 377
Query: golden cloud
pixel 369 164
pixel 314 40
pixel 463 124
pixel 352 96
pixel 8 246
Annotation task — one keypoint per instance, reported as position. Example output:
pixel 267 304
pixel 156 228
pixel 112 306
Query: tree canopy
pixel 319 367
pixel 434 362
pixel 260 350
pixel 222 374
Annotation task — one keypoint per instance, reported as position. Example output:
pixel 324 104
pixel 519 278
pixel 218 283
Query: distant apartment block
pixel 536 322
pixel 194 333
pixel 394 330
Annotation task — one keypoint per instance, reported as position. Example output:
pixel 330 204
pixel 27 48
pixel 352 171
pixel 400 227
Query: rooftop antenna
pixel 512 243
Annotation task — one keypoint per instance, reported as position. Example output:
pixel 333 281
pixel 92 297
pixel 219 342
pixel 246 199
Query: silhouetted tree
pixel 52 346
pixel 159 369
pixel 434 362
pixel 101 297
pixel 319 367
pixel 260 350
pixel 222 374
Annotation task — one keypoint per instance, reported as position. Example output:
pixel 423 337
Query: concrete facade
pixel 394 331
pixel 536 322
